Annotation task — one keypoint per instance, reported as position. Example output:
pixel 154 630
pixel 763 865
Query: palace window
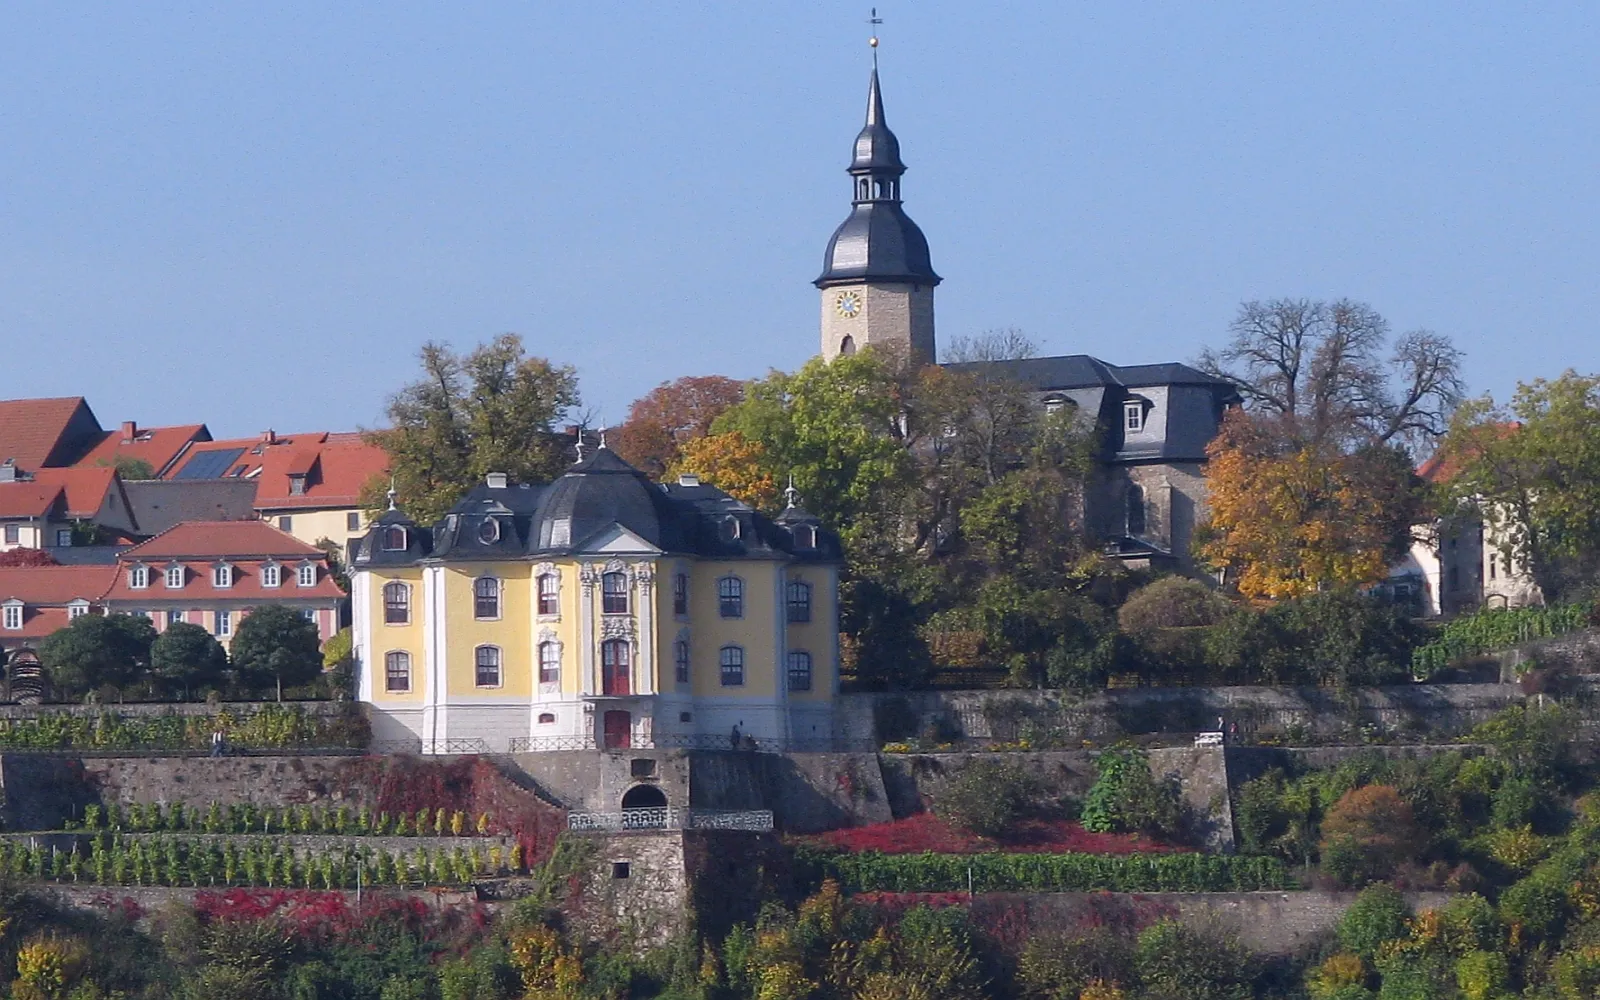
pixel 396 604
pixel 680 594
pixel 487 659
pixel 549 663
pixel 271 575
pixel 731 659
pixel 174 618
pixel 680 660
pixel 77 609
pixel 139 577
pixel 397 671
pixel 799 671
pixel 306 575
pixel 486 598
pixel 174 577
pixel 549 594
pixel 616 667
pixel 1133 415
pixel 352 521
pixel 394 538
pixel 730 597
pixel 222 576
pixel 223 623
pixel 799 601
pixel 614 594
pixel 13 616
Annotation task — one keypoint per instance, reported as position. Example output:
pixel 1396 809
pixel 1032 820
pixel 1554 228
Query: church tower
pixel 877 280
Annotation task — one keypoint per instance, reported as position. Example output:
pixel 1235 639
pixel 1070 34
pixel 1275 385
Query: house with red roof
pixel 41 509
pixel 308 485
pixel 143 452
pixel 44 433
pixel 35 602
pixel 213 573
pixel 1459 564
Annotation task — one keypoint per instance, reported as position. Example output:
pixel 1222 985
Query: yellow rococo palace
pixel 597 611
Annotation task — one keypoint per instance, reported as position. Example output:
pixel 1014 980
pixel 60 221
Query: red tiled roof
pixel 218 539
pixel 335 473
pixel 252 450
pixel 38 623
pixel 28 499
pixel 85 488
pixel 157 446
pixel 31 429
pixel 1447 463
pixel 199 590
pixel 46 585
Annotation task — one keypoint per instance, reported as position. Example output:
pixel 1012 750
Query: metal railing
pixel 668 818
pixel 691 741
pixel 429 747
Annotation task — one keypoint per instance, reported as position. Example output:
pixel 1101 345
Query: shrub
pixel 1482 975
pixel 1127 798
pixel 1377 916
pixel 1369 833
pixel 1335 975
pixel 1176 962
pixel 1171 602
pixel 987 797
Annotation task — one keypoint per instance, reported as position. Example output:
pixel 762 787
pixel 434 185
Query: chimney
pixel 269 436
pixel 685 479
pixel 496 480
pixel 130 432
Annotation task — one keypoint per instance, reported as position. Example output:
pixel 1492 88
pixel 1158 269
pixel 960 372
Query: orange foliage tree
pixel 731 462
pixel 27 558
pixel 1369 833
pixel 1289 518
pixel 671 415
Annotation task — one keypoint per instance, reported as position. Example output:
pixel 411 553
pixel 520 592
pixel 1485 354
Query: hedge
pixel 1490 631
pixel 271 727
pixel 247 817
pixel 995 872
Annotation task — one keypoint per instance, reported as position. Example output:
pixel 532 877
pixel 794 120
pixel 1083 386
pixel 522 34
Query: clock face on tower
pixel 848 304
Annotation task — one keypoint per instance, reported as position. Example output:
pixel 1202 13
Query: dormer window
pixel 805 536
pixel 488 531
pixel 1055 403
pixel 297 486
pixel 306 575
pixel 77 609
pixel 394 538
pixel 1133 415
pixel 175 576
pixel 139 577
pixel 730 529
pixel 271 575
pixel 11 617
pixel 222 576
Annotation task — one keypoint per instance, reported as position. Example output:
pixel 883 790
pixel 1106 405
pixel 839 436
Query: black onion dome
pixel 878 241
pixel 877 149
pixel 596 493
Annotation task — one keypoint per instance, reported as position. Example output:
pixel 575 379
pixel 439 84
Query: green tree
pixel 494 409
pixel 1176 962
pixel 186 657
pixel 275 643
pixel 1531 470
pixel 97 650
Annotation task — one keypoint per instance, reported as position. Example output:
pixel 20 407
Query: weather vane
pixel 874 20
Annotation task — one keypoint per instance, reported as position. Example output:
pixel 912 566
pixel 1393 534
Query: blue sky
pixel 251 214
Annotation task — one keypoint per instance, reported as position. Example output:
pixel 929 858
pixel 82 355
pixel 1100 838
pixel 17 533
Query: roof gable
pixel 36 433
pixel 210 539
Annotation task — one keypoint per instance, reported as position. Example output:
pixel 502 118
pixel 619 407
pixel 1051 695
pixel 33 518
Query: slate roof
pixel 159 504
pixel 1080 371
pixel 594 497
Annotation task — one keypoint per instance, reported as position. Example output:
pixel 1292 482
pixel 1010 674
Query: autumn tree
pixel 1369 833
pixel 732 463
pixel 26 559
pixel 1531 470
pixel 1330 373
pixel 671 415
pixel 493 409
pixel 1289 518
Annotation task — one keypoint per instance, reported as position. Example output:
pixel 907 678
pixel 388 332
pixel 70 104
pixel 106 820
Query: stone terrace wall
pixel 1439 709
pixel 1268 923
pixel 315 708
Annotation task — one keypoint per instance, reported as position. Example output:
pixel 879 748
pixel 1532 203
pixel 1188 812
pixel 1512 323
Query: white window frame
pixel 77 609
pixel 625 594
pixel 271 575
pixel 11 613
pixel 499 598
pixel 554 594
pixel 389 531
pixel 222 623
pixel 174 573
pixel 735 599
pixel 392 659
pixel 731 663
pixel 222 576
pixel 139 578
pixel 499 666
pixel 553 648
pixel 305 575
pixel 404 589
pixel 175 617
pixel 1133 416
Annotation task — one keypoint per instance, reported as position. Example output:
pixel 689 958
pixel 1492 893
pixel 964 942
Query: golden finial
pixel 874 20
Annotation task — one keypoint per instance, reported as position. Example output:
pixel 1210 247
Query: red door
pixel 615 663
pixel 619 730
